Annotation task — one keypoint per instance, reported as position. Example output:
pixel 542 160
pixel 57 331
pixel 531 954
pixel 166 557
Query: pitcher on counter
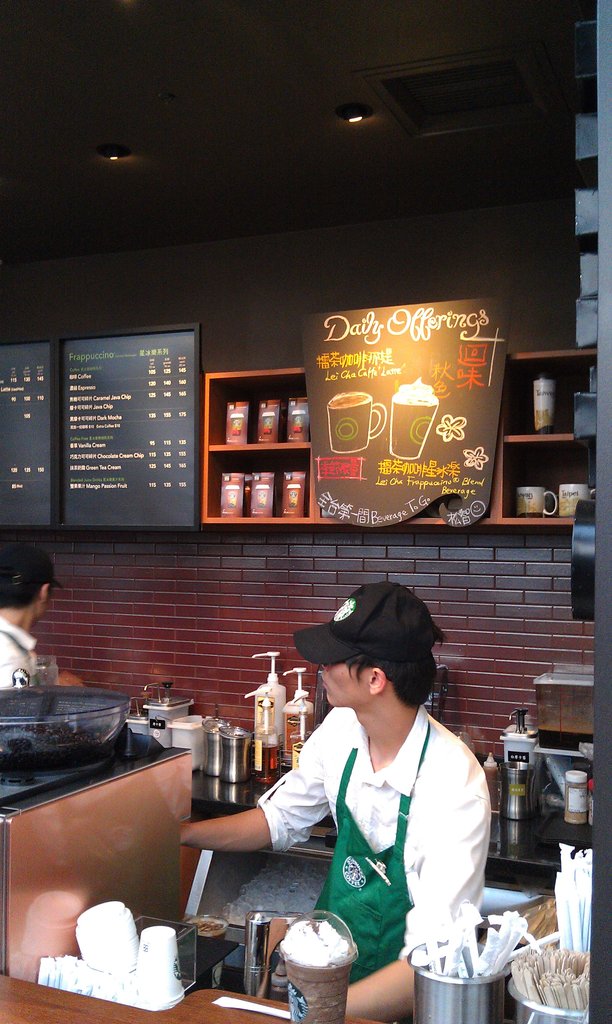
pixel 409 799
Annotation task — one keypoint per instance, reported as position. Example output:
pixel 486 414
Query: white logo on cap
pixel 345 610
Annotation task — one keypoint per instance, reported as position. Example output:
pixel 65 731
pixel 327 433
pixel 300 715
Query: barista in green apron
pixel 367 889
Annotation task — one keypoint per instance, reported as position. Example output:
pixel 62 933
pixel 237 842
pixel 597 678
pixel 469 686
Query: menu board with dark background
pixel 129 430
pixel 404 409
pixel 25 434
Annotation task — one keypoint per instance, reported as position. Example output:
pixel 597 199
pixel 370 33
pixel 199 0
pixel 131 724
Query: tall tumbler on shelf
pixel 544 389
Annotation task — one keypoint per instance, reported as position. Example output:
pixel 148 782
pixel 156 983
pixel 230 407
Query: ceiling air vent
pixel 467 92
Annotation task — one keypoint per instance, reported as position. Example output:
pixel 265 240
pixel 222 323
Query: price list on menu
pixel 129 431
pixel 25 434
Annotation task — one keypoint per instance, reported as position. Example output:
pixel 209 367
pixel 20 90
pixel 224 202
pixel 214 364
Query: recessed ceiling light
pixel 354 112
pixel 113 151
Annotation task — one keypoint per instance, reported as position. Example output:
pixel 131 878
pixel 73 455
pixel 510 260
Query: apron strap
pixel 406 800
pixel 346 774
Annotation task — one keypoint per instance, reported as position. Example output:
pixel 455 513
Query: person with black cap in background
pixel 26 585
pixel 409 799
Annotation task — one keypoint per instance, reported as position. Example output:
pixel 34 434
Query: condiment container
pixel 235 753
pixel 576 798
pixel 212 745
pixel 164 710
pixel 517 792
pixel 441 999
pixel 188 733
pixel 519 740
pixel 565 708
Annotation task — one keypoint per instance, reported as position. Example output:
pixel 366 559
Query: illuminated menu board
pixel 25 434
pixel 129 430
pixel 404 409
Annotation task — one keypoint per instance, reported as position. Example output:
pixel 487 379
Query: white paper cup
pixel 107 938
pixel 158 971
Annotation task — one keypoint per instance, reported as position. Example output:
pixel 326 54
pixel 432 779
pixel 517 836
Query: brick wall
pixel 193 608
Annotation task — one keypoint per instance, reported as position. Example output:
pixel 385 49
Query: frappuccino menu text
pixel 404 409
pixel 129 436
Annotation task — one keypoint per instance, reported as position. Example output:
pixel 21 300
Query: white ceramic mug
pixel 532 502
pixel 570 495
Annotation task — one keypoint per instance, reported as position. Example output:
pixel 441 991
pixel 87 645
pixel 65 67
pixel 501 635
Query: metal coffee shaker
pixel 235 753
pixel 517 792
pixel 212 745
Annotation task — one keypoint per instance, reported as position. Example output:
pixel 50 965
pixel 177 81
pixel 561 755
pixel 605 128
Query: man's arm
pixel 386 995
pixel 245 831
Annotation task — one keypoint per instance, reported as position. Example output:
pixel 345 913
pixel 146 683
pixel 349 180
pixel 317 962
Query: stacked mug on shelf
pixel 537 501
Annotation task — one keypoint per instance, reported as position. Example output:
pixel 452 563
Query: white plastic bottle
pixel 276 692
pixel 299 738
pixel 492 776
pixel 291 715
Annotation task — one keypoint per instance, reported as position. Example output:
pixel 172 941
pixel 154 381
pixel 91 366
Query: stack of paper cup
pixel 158 972
pixel 107 938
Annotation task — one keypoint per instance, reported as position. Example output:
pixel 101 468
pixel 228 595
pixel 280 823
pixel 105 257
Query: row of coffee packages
pixel 276 421
pixel 255 495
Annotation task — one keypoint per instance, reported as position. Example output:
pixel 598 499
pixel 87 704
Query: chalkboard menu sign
pixel 129 430
pixel 404 409
pixel 25 434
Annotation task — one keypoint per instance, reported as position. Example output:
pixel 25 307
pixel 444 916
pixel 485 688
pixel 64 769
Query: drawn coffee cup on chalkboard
pixel 354 420
pixel 413 410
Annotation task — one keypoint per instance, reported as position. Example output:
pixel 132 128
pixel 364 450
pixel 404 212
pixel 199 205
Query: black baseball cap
pixel 23 563
pixel 379 620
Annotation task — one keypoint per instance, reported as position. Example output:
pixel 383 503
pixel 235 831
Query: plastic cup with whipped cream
pixel 413 410
pixel 319 952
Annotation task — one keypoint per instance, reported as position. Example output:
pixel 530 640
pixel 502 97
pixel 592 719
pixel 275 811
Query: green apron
pixel 373 903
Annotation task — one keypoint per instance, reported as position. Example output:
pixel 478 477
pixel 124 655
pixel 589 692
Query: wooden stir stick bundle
pixel 556 978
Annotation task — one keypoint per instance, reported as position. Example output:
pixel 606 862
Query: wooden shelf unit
pixel 522 456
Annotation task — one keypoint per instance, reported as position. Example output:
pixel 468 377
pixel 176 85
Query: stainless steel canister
pixel 212 745
pixel 235 753
pixel 517 792
pixel 442 1000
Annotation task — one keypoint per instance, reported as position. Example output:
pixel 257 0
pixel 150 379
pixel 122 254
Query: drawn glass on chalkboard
pixel 413 410
pixel 353 421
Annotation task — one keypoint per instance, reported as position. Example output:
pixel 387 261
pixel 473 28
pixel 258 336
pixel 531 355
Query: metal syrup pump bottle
pixel 274 690
pixel 265 741
pixel 298 715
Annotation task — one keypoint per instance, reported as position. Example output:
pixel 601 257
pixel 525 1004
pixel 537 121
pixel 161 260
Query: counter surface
pixel 22 1002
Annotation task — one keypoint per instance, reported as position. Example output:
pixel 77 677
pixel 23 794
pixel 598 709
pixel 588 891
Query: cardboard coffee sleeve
pixel 232 495
pixel 298 420
pixel 237 423
pixel 262 495
pixel 294 487
pixel 268 422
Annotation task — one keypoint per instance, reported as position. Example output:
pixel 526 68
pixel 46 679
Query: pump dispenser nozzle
pixel 273 655
pixel 272 689
pixel 521 714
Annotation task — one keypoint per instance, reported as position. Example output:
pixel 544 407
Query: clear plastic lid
pixel 319 939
